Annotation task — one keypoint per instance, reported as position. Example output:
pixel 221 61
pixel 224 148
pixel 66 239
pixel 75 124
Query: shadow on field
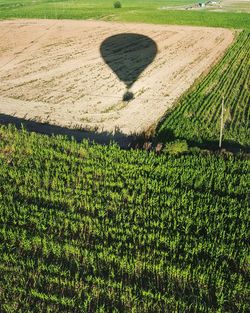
pixel 210 145
pixel 128 55
pixel 124 141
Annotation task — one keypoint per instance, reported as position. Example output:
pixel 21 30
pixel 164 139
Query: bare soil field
pixel 52 71
pixel 236 5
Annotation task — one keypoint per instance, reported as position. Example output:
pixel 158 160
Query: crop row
pixel 89 228
pixel 197 116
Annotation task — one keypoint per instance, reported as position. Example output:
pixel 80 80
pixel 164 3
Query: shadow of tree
pixel 211 145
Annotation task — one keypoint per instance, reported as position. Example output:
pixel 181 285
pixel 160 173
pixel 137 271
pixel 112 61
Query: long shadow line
pixel 123 140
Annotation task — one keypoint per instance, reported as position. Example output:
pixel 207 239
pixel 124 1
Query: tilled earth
pixel 53 71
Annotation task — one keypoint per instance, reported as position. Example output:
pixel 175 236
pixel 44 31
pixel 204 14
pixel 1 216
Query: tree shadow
pixel 128 55
pixel 168 135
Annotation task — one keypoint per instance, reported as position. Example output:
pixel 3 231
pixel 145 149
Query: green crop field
pixel 89 228
pixel 146 11
pixel 92 228
pixel 196 117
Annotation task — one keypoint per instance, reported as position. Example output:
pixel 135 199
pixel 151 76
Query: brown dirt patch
pixel 236 5
pixel 52 71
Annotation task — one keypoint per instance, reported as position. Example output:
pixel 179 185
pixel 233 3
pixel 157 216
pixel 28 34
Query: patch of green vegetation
pixel 196 116
pixel 176 147
pixel 90 228
pixel 117 5
pixel 147 11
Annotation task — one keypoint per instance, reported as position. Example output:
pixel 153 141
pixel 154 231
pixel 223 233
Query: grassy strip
pixel 131 11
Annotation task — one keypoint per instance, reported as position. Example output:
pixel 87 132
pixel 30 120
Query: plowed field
pixel 53 71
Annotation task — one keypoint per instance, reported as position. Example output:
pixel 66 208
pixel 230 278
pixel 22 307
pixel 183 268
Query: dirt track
pixel 52 71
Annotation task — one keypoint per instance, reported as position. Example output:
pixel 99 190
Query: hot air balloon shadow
pixel 128 55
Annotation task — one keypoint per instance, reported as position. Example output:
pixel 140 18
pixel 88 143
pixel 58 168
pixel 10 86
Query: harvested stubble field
pixel 236 5
pixel 52 71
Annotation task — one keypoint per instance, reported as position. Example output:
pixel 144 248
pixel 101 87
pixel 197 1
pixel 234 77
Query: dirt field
pixel 52 71
pixel 236 5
